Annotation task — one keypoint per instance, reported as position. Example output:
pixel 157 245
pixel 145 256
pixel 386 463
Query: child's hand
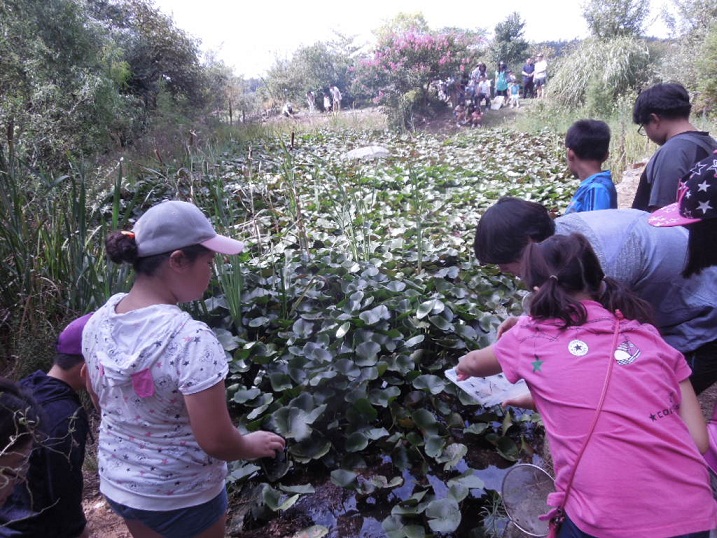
pixel 524 401
pixel 262 444
pixel 461 375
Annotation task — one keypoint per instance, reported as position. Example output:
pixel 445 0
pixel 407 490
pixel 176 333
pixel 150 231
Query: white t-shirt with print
pixel 141 364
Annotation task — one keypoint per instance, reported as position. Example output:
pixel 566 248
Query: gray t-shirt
pixel 649 261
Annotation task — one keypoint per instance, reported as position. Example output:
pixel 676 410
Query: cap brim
pixel 670 216
pixel 224 245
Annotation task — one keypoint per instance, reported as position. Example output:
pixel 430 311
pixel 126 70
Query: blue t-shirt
pixel 596 192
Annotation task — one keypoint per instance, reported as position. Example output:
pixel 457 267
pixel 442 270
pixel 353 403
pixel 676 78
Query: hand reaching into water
pixel 262 444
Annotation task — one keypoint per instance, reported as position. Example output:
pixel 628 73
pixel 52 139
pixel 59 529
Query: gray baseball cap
pixel 173 225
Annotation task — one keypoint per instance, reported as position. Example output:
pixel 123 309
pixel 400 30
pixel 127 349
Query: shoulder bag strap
pixel 611 362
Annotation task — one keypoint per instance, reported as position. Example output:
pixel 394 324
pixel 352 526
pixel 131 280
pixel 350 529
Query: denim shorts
pixel 569 530
pixel 179 523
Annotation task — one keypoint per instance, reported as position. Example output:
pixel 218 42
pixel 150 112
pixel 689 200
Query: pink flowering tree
pixel 405 62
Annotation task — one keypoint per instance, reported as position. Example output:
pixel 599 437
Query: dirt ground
pixel 103 523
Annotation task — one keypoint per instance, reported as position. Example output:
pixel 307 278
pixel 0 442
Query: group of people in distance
pixel 331 100
pixel 472 95
pixel 620 333
pixel 618 339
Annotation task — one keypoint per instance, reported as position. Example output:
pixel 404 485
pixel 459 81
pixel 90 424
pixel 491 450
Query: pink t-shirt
pixel 641 474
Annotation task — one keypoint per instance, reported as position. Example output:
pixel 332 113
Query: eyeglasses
pixel 641 128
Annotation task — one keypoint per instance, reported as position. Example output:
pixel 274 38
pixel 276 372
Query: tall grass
pixel 51 252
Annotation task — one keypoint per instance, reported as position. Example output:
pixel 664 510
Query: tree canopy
pixel 616 18
pixel 509 45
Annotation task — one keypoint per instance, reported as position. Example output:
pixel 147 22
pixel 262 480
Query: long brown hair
pixel 564 265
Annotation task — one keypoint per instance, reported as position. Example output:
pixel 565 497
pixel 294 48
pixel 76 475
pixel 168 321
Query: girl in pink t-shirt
pixel 641 474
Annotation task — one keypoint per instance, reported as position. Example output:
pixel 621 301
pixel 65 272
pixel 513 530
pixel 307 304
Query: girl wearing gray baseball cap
pixel 157 375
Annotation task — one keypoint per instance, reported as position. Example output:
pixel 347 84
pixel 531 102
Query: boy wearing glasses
pixel 663 115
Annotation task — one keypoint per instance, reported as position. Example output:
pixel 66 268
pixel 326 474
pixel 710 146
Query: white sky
pixel 249 35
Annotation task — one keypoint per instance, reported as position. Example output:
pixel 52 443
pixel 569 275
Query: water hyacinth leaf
pixel 246 395
pixel 312 415
pixel 316 352
pixel 508 449
pixel 361 411
pixel 344 478
pixel 258 322
pixel 452 455
pixel 466 332
pixel 434 445
pixel 313 448
pixel 441 322
pixel 242 470
pixel 396 286
pixel 343 329
pixel 276 500
pixel 393 527
pixel 376 433
pixel 383 397
pixel 469 480
pixel 228 341
pixel 415 499
pixel 425 420
pixel 508 421
pixel 280 382
pixel 303 328
pixel 425 308
pixel 291 423
pixel 415 439
pixel 430 383
pixel 321 376
pixel 347 368
pixel 368 351
pixel 458 492
pixel 356 442
pixel 315 531
pixel 369 373
pixel 370 484
pixel 376 314
pixel 261 403
pixel 414 341
pixel 414 531
pixel 444 515
pixel 412 509
pixel 303 489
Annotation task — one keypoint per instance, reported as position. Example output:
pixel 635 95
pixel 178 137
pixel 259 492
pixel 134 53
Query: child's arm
pixel 215 433
pixel 691 413
pixel 478 363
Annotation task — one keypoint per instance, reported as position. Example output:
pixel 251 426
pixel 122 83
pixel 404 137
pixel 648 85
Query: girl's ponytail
pixel 615 296
pixel 553 270
pixel 565 266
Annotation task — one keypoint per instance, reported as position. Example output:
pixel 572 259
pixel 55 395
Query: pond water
pixel 342 513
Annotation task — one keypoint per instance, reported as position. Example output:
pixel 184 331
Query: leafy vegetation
pixel 358 291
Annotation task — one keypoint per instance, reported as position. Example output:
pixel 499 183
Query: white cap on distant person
pixel 172 225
